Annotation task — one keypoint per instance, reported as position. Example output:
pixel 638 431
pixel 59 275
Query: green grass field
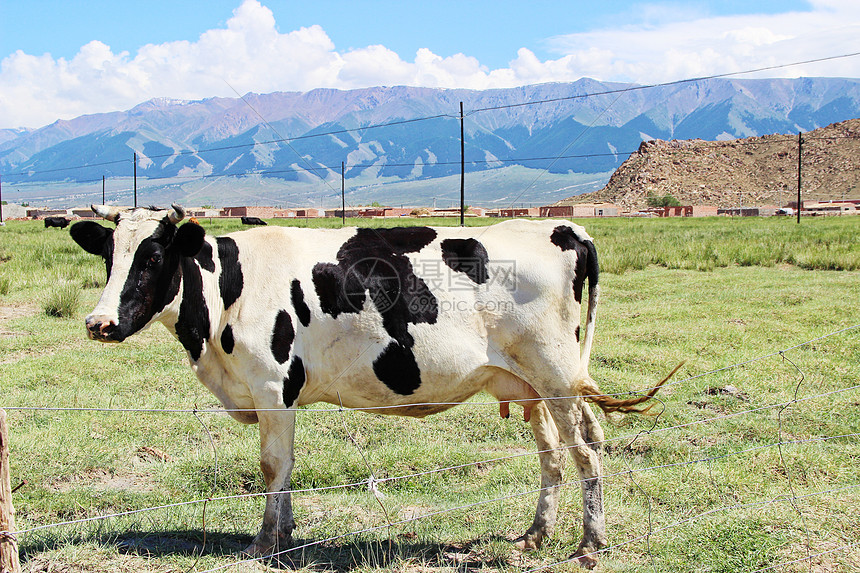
pixel 751 463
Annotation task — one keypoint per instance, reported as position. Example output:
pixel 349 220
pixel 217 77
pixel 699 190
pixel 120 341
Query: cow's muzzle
pixel 102 328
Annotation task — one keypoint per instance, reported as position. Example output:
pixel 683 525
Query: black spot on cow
pixel 192 327
pixel 283 335
pixel 152 281
pixel 204 257
pixel 299 304
pixel 294 381
pixel 576 333
pixel 373 261
pixel 586 258
pixel 466 256
pixel 227 341
pixel 397 368
pixel 231 281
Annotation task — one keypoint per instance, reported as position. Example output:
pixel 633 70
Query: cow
pixel 60 222
pixel 405 321
pixel 252 221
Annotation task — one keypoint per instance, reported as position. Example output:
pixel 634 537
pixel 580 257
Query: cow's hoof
pixel 261 551
pixel 528 541
pixel 584 557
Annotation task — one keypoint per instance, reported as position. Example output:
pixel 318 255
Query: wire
pixel 664 84
pixel 450 116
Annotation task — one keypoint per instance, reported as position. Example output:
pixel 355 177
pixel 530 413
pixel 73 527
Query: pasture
pixel 751 463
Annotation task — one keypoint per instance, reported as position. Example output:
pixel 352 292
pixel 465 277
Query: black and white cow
pixel 410 319
pixel 252 221
pixel 59 222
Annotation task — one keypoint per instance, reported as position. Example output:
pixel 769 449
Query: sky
pixel 61 59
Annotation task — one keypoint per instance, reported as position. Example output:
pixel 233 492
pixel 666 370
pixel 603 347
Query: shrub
pixel 64 300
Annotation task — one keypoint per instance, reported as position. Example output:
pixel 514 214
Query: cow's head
pixel 142 256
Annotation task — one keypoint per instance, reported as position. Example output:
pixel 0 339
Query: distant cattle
pixel 60 222
pixel 403 321
pixel 252 221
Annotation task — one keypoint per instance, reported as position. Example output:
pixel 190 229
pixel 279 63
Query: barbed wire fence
pixel 374 486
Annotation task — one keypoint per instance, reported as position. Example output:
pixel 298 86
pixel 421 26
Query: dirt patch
pixel 12 311
pixel 99 479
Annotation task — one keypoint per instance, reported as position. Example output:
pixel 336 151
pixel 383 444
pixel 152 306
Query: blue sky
pixel 63 59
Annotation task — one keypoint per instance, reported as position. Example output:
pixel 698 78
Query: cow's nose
pixel 100 328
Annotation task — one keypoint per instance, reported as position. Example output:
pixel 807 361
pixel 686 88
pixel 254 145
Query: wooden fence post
pixel 8 545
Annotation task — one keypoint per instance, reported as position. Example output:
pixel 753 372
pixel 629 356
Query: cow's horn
pixel 177 213
pixel 106 212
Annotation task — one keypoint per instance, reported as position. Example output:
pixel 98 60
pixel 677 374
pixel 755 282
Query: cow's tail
pixel 589 388
pixel 591 392
pixel 592 272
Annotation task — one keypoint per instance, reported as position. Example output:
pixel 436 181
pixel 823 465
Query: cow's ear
pixel 189 239
pixel 91 236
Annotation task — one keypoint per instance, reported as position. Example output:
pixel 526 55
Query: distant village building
pixel 580 210
pixel 261 212
pixel 201 212
pixel 455 212
pixel 83 213
pixel 42 213
pixel 831 208
pixel 520 212
pixel 689 211
pixel 748 211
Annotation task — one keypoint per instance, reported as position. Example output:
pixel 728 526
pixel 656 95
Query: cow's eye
pixel 155 259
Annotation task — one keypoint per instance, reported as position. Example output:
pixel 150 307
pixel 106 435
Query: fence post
pixel 8 545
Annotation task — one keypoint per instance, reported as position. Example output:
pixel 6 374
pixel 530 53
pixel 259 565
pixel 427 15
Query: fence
pixel 819 538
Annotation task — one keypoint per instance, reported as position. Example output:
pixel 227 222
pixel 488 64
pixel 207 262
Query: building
pixel 830 208
pixel 520 212
pixel 689 211
pixel 580 210
pixel 42 213
pixel 261 212
pixel 748 211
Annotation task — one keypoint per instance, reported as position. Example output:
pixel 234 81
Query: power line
pixel 664 84
pixel 471 112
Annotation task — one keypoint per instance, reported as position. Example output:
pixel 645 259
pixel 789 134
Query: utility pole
pixel 342 195
pixel 135 180
pixel 799 156
pixel 462 171
pixel 103 189
pixel 1 202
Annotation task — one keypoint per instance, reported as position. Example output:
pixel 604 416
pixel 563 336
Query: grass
pixel 708 474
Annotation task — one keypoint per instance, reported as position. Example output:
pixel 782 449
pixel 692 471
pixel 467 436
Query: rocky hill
pixel 749 171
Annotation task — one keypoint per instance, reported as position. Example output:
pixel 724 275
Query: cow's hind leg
pixel 551 466
pixel 277 431
pixel 574 421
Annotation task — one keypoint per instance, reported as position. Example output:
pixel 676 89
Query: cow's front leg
pixel 277 431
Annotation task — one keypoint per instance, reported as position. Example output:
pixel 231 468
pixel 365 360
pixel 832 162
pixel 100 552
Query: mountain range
pixel 399 144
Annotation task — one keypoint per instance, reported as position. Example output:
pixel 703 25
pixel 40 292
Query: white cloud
pixel 250 54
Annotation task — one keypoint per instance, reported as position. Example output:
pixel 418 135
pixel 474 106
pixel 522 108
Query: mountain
pixel 751 171
pixel 393 139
